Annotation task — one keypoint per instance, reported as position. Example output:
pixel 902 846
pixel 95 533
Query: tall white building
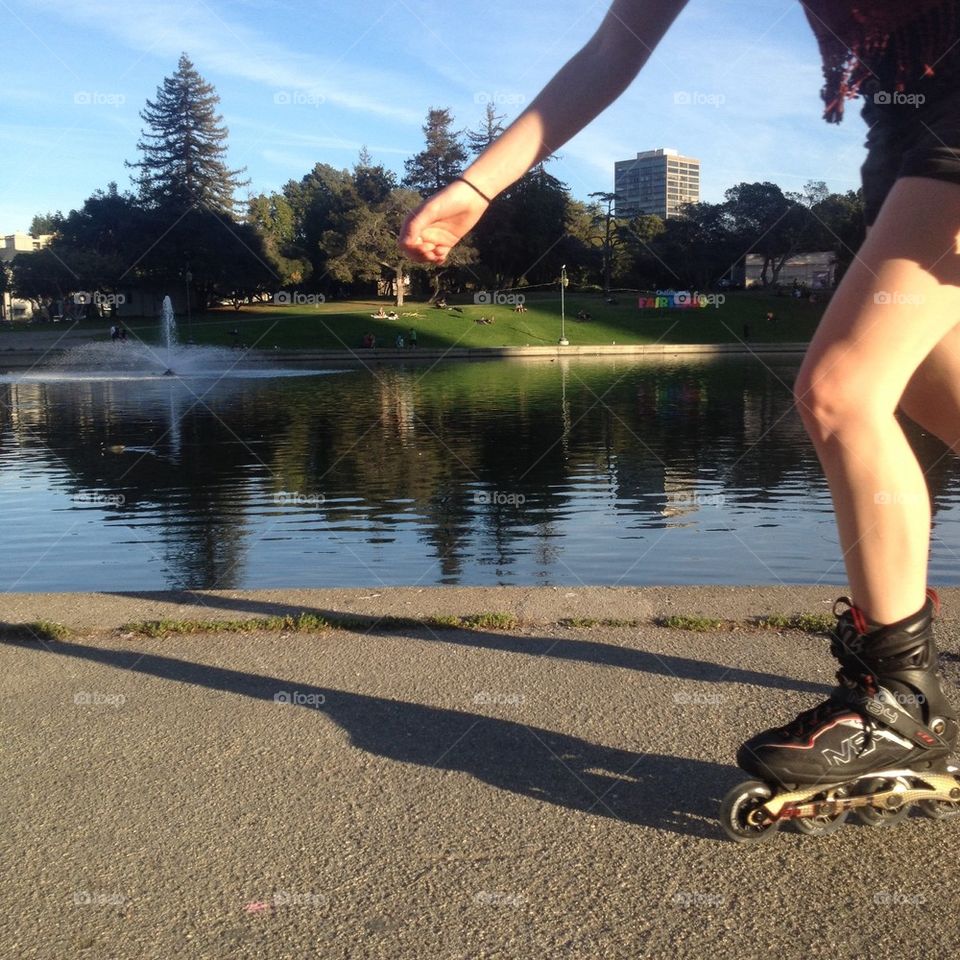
pixel 655 182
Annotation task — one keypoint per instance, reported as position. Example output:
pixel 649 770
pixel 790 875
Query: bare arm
pixel 591 80
pixel 583 88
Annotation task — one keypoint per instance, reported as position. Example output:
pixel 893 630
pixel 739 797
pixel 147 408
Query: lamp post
pixel 564 342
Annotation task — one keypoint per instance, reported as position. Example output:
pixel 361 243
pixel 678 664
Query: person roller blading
pixel 888 339
pixel 879 743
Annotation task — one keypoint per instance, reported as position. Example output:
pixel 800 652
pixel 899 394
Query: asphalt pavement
pixel 547 791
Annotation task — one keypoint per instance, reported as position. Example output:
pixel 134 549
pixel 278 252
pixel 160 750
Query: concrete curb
pixel 13 359
pixel 107 611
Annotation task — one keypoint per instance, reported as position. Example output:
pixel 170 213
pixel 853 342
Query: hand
pixel 440 222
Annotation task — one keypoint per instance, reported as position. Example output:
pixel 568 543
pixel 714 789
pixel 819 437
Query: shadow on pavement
pixel 666 792
pixel 562 648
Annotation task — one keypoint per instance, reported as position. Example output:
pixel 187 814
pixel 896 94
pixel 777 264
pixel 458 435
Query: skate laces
pixel 846 643
pixel 811 719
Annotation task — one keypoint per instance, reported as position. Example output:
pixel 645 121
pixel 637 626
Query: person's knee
pixel 832 402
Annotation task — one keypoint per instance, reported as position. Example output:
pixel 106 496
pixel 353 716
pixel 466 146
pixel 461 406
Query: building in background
pixel 655 182
pixel 816 271
pixel 14 243
pixel 11 244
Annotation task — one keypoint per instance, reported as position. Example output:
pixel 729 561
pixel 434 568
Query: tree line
pixel 334 230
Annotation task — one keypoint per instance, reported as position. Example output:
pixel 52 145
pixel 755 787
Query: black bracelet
pixel 478 190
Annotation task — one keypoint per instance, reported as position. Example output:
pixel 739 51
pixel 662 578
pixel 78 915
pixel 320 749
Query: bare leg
pixel 932 398
pixel 899 299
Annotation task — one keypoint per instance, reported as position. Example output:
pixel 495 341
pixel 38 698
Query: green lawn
pixel 342 324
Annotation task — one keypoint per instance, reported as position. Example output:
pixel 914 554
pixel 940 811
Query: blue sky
pixel 307 82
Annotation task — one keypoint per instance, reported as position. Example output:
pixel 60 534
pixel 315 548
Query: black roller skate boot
pixel 880 742
pixel 888 709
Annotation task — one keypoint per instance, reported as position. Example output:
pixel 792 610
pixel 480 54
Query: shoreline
pixel 532 606
pixel 17 359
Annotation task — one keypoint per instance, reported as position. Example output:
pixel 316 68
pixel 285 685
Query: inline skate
pixel 880 744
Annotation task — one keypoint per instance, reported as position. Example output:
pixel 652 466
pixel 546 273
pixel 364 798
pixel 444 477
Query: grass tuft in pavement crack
pixel 680 621
pixel 306 622
pixel 806 622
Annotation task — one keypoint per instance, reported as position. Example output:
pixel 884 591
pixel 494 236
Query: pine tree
pixel 373 183
pixel 442 160
pixel 184 147
pixel 490 128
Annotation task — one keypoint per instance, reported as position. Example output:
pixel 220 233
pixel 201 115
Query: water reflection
pixel 567 472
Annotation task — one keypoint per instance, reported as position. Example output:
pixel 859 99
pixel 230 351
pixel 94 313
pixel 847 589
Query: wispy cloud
pixel 220 43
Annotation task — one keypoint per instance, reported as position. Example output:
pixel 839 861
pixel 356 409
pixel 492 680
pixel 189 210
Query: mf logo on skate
pixel 850 748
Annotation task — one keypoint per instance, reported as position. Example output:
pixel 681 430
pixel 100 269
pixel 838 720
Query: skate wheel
pixel 740 813
pixel 939 809
pixel 824 825
pixel 883 816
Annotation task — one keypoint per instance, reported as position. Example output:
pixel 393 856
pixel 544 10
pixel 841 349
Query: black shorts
pixel 913 133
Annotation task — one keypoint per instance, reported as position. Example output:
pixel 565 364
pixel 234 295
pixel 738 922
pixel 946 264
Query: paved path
pixel 549 792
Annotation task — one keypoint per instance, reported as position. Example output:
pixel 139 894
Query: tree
pixel 43 275
pixel 4 288
pixel 272 216
pixel 841 225
pixel 609 237
pixel 490 128
pixel 696 248
pixel 43 223
pixel 371 252
pixel 184 147
pixel 441 161
pixel 323 203
pixel 640 236
pixel 767 222
pixel 373 183
pixel 95 248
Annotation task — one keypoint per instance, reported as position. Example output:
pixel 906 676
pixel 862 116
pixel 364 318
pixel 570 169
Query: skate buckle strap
pixel 881 705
